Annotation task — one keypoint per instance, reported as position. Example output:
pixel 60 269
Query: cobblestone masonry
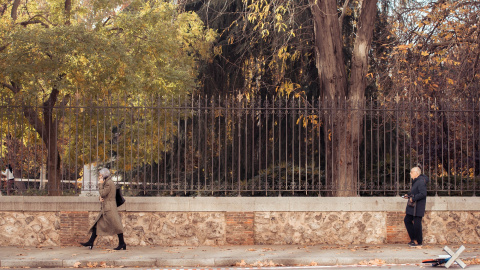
pixel 319 228
pixel 169 229
pixel 238 228
pixel 30 228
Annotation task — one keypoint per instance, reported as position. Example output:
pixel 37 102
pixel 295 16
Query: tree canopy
pixel 95 53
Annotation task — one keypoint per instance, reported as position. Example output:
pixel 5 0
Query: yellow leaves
pixel 308 119
pixel 425 53
pixel 217 50
pixel 281 27
pixel 287 88
pixel 281 9
pixel 251 17
pixel 282 53
pixel 265 33
pixel 292 33
pixel 404 48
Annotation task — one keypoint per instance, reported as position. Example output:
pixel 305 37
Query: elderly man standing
pixel 416 207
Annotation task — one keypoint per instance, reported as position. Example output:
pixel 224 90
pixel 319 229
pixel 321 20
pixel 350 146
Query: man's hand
pixel 101 199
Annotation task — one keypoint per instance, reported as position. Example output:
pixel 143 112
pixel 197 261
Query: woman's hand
pixel 101 199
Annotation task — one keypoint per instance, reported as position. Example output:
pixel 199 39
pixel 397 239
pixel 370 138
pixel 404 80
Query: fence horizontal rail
pixel 246 148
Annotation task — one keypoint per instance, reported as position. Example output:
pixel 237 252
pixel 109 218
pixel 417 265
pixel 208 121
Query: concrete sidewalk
pixel 223 256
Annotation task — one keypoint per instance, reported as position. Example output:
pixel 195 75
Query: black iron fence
pixel 241 148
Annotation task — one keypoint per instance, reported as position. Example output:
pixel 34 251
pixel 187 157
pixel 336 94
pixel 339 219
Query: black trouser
pixel 414 228
pixel 8 185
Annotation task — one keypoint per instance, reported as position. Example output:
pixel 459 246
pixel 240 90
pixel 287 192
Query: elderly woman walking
pixel 108 221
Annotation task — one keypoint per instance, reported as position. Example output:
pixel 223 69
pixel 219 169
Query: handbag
pixel 410 203
pixel 119 197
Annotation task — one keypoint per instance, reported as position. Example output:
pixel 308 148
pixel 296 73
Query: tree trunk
pixel 13 13
pixel 68 11
pixel 345 98
pixel 53 157
pixel 48 132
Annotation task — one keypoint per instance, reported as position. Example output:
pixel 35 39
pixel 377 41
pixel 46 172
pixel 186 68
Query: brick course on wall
pixel 239 228
pixel 73 227
pixel 396 233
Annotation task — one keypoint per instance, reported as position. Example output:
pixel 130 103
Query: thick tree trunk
pixel 343 125
pixel 345 98
pixel 53 157
pixel 48 132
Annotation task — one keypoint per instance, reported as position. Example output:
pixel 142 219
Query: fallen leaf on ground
pixel 263 264
pixel 92 265
pixel 472 261
pixel 241 263
pixel 372 262
pixel 77 264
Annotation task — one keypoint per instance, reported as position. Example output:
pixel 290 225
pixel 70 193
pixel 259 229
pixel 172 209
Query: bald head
pixel 415 172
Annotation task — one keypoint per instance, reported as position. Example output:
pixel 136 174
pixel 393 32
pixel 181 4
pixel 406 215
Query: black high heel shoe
pixel 87 244
pixel 124 247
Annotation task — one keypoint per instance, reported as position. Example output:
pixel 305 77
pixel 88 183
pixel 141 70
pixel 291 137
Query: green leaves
pixel 99 53
pixel 146 48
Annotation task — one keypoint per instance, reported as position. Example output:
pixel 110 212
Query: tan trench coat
pixel 108 220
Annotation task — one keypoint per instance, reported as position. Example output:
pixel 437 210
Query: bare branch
pixel 12 86
pixel 34 20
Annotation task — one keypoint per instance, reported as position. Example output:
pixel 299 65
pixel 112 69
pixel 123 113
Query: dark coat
pixel 419 195
pixel 108 220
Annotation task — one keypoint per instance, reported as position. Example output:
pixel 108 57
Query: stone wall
pixel 63 221
pixel 30 228
pixel 320 228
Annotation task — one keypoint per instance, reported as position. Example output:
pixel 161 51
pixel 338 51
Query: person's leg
pixel 408 220
pixel 90 242
pixel 417 228
pixel 121 242
pixel 10 184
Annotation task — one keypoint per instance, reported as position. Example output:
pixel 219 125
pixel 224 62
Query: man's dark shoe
pixel 415 245
pixel 411 243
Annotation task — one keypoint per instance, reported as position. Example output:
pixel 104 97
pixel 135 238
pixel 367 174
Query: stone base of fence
pixel 177 221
